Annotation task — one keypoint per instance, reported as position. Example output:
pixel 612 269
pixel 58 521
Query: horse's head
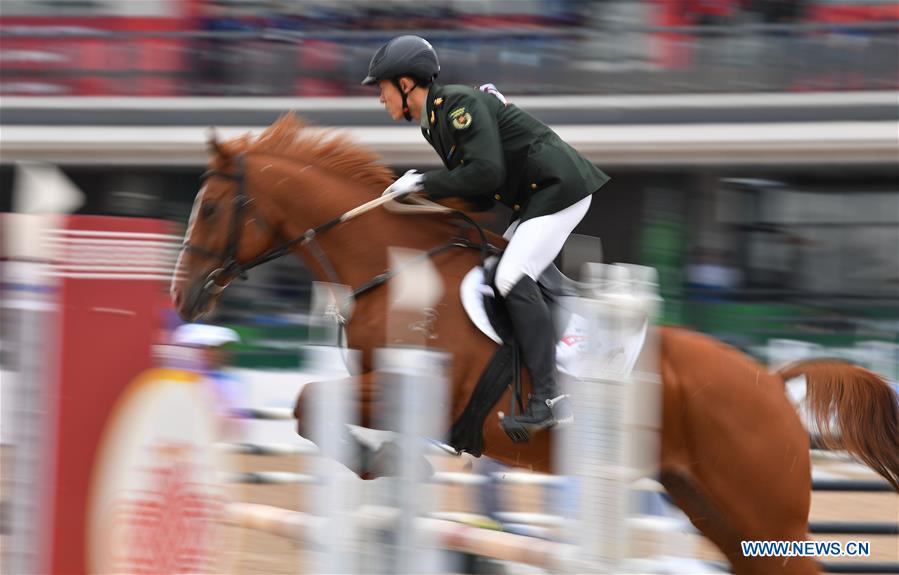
pixel 296 184
pixel 220 235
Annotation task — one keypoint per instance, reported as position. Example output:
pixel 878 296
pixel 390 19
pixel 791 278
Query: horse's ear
pixel 216 148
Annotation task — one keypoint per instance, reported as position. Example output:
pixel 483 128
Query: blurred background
pixel 749 141
pixel 752 145
pixel 314 48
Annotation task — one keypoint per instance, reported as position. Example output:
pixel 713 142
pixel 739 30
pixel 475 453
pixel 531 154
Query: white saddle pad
pixel 618 347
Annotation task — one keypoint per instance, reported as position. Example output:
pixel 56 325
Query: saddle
pixel 617 349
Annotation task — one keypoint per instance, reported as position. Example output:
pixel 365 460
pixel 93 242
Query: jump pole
pixel 414 379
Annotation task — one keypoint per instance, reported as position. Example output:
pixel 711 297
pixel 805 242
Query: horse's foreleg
pixel 362 391
pixel 362 459
pixel 358 456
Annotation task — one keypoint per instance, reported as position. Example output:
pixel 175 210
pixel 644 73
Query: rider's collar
pixel 425 116
pixel 431 103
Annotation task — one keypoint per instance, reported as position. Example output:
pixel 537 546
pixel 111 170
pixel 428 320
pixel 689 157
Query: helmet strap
pixel 405 96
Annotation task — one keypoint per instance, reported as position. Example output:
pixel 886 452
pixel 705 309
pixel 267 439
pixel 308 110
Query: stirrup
pixel 520 432
pixel 563 414
pixel 516 431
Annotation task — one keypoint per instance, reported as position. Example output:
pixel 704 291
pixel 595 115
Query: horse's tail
pixel 855 410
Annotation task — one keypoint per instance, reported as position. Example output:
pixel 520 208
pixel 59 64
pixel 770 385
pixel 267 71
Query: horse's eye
pixel 208 210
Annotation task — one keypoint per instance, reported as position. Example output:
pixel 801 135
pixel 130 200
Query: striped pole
pixel 336 496
pixel 451 535
pixel 615 439
pixel 414 381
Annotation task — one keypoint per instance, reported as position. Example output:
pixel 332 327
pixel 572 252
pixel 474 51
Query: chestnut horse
pixel 734 454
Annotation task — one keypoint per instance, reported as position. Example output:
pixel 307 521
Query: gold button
pixel 497 197
pixel 461 161
pixel 533 186
pixel 516 207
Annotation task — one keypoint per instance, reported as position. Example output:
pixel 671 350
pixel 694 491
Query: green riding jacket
pixel 497 152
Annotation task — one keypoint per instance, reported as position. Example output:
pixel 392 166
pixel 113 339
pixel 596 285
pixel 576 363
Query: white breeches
pixel 534 244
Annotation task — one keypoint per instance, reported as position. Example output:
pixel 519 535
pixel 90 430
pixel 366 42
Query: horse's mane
pixel 288 137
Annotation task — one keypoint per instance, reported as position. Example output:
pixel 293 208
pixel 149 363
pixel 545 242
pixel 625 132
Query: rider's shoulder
pixel 457 92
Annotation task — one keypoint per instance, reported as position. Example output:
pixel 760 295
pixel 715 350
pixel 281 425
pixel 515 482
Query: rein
pixel 229 264
pixel 231 267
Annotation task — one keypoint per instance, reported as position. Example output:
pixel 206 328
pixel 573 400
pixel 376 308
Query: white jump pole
pixel 595 446
pixel 335 497
pixel 664 538
pixel 33 316
pixel 614 438
pixel 413 380
pixel 418 380
pixel 42 193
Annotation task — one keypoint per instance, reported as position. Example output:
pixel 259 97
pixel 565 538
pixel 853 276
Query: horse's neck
pixel 356 249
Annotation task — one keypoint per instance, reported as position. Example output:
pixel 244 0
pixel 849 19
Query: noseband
pixel 227 258
pixel 229 266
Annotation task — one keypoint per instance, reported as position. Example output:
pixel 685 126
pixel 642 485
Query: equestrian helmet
pixel 411 56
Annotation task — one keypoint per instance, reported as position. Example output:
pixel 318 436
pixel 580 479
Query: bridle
pixel 229 267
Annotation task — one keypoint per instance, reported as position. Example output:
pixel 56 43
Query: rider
pixel 494 151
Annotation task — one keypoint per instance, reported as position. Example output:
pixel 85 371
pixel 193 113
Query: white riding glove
pixel 409 183
pixel 491 89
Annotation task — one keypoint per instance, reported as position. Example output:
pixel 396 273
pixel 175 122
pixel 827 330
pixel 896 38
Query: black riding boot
pixel 535 336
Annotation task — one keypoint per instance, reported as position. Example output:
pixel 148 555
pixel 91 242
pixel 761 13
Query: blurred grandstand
pixel 788 229
pixel 312 48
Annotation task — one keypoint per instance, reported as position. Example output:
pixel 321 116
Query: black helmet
pixel 404 56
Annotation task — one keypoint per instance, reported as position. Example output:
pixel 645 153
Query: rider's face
pixel 391 99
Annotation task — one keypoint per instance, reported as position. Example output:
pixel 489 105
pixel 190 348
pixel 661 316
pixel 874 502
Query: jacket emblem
pixel 461 119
